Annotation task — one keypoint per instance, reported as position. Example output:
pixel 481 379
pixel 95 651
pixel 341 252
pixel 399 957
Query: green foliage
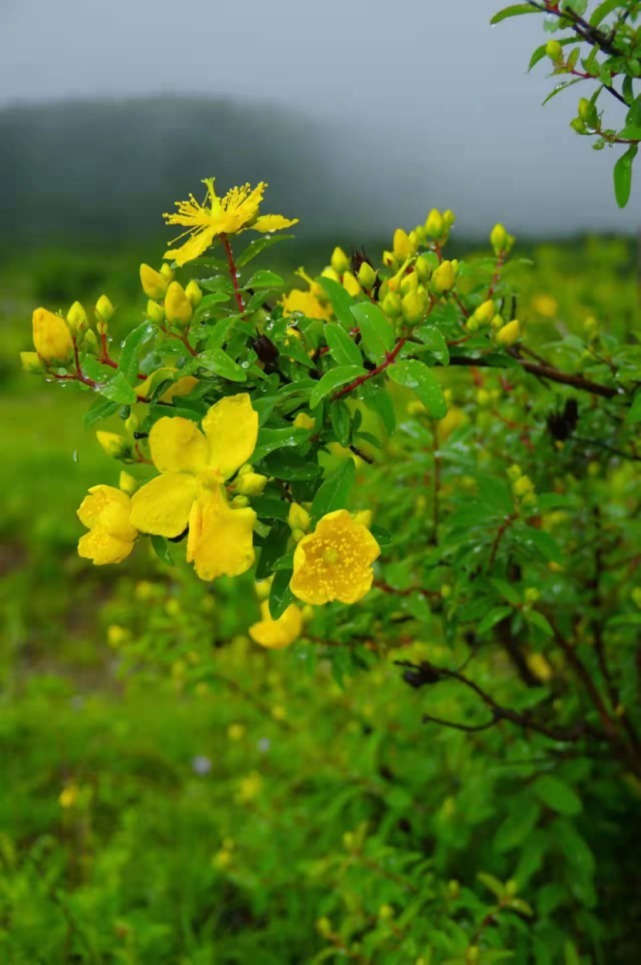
pixel 598 44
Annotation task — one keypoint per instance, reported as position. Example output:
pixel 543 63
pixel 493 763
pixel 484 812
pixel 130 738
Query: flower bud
pixel 51 336
pixel 304 421
pixel 167 271
pixel 240 502
pixel 132 423
pixel 155 312
pixel 177 306
pixel 584 108
pixel 154 283
pixel 366 276
pixel 434 223
pixel 498 239
pixel 113 445
pixel 554 50
pixel 127 483
pixel 485 312
pixel 330 273
pixel 31 363
pixel 339 261
pixel 250 484
pixel 522 486
pixel 350 284
pixel 423 268
pixel 298 517
pixel 497 322
pixel 409 283
pixel 414 306
pixel 402 245
pixel 77 318
pixel 392 305
pixel 104 308
pixel 509 334
pixel 194 293
pixel 444 277
pixel 90 342
pixel 449 218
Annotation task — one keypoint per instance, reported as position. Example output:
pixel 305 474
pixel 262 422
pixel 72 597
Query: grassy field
pixel 173 794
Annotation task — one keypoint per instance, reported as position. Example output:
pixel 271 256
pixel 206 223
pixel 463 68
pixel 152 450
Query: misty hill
pixel 105 170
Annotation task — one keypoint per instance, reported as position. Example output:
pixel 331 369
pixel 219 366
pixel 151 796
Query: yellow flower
pixel 189 491
pixel 51 336
pixel 178 308
pixel 154 284
pixel 182 386
pixel 105 513
pixel 335 561
pixel 276 634
pixel 509 334
pixel 311 303
pixel 238 210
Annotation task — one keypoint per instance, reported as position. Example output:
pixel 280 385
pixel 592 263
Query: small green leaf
pixel 161 549
pixel 258 245
pixel 341 347
pixel 561 87
pixel 264 279
pixel 515 10
pixel 493 617
pixel 334 379
pixel 634 415
pixel 219 362
pixel 602 10
pixel 271 439
pixel 119 390
pixel 280 596
pixel 421 380
pixel 492 884
pixel 557 795
pixel 623 176
pixel 340 419
pixel 536 618
pixel 377 332
pixel 341 300
pixel 100 409
pixel 128 361
pixel 273 548
pixel 334 491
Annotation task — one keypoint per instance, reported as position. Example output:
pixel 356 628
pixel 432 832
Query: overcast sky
pixel 438 105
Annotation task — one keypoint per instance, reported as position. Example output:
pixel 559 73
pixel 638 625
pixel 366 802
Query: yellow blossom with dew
pixel 335 561
pixel 105 512
pixel 276 634
pixel 189 492
pixel 236 212
pixel 51 336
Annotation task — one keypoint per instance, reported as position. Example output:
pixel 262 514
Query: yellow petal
pixel 163 504
pixel 220 541
pixel 98 545
pixel 193 248
pixel 177 445
pixel 99 498
pixel 334 562
pixel 231 427
pixel 272 222
pixel 276 634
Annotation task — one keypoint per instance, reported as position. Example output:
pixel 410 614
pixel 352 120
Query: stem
pixel 390 357
pixel 233 273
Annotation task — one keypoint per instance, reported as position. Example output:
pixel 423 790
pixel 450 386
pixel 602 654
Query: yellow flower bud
pixel 496 322
pixel 51 336
pixel 250 484
pixel 339 261
pixel 298 517
pixel 532 595
pixel 409 283
pixel 402 245
pixel 514 472
pixel 304 421
pixel 193 293
pixel 350 284
pixel 434 223
pixel 522 486
pixel 449 218
pixel 364 517
pixel 177 306
pixel 31 363
pixel 509 334
pixel 485 312
pixel 154 283
pixel 77 318
pixel 155 312
pixel 127 483
pixel 113 444
pixel 423 268
pixel 392 305
pixel 414 306
pixel 444 277
pixel 167 271
pixel 554 50
pixel 104 308
pixel 366 276
pixel 498 239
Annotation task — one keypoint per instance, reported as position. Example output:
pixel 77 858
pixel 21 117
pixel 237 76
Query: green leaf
pixel 634 415
pixel 623 176
pixel 537 56
pixel 433 338
pixel 208 304
pixel 341 300
pixel 493 884
pixel 161 549
pixel 280 596
pixel 217 361
pixel 377 332
pixel 258 245
pixel 543 542
pixel 271 439
pixel 264 279
pixel 561 87
pixel 515 10
pixel 100 409
pixel 334 491
pixel 341 347
pixel 536 618
pixel 421 380
pixel 557 795
pixel 340 419
pixel 128 361
pixel 334 379
pixel 493 617
pixel 602 10
pixel 119 390
pixel 273 548
pixel 517 826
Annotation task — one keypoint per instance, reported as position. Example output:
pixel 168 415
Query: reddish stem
pixel 233 272
pixel 390 357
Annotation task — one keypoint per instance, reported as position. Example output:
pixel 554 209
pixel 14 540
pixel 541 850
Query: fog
pixel 414 104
